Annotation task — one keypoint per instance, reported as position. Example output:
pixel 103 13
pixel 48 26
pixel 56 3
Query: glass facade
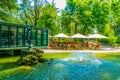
pixel 15 35
pixel 4 36
pixel 39 37
pixel 44 37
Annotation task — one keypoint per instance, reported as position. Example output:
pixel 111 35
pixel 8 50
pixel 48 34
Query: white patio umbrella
pixel 96 36
pixel 61 35
pixel 78 36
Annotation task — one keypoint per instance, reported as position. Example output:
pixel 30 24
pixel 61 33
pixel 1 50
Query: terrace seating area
pixel 75 45
pixel 77 42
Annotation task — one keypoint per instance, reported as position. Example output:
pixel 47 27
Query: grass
pixel 109 56
pixel 56 55
pixel 9 59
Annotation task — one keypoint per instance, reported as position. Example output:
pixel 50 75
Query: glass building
pixel 15 35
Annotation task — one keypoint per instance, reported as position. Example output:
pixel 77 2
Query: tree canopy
pixel 79 16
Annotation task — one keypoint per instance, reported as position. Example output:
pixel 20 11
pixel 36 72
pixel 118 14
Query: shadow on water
pixel 78 66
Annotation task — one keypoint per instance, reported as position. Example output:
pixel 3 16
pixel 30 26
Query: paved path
pixel 94 51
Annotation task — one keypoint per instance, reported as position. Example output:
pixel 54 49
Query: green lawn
pixel 109 56
pixel 9 59
pixel 56 55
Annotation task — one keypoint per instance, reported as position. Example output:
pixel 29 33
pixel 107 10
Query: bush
pixel 31 57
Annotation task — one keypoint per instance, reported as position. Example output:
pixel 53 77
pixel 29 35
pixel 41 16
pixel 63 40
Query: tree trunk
pixel 84 30
pixel 36 16
pixel 35 22
pixel 75 27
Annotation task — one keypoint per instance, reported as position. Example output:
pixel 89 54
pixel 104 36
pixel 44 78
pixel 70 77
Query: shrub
pixel 31 57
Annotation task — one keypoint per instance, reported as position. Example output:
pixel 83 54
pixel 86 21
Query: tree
pixel 30 11
pixel 49 18
pixel 79 13
pixel 110 33
pixel 65 22
pixel 70 17
pixel 8 11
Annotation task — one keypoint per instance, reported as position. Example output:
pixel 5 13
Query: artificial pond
pixel 78 66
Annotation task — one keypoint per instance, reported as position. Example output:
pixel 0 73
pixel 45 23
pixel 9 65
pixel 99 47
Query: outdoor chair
pixel 64 45
pixel 68 45
pixel 75 46
pixel 51 45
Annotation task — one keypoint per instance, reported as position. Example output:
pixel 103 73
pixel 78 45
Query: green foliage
pixel 8 10
pixel 88 15
pixel 31 57
pixel 110 33
pixel 79 16
pixel 49 18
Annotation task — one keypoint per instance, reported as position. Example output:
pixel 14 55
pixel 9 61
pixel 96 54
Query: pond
pixel 78 66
